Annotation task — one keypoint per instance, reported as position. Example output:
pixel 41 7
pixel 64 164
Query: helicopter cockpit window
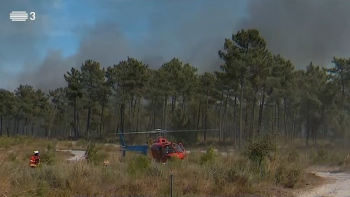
pixel 181 147
pixel 178 148
pixel 169 149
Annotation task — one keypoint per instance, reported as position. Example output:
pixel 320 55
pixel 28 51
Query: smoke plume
pixel 193 31
pixel 303 31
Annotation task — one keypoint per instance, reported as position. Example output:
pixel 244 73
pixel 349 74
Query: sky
pixel 65 33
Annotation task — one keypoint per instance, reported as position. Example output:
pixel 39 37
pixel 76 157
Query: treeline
pixel 255 91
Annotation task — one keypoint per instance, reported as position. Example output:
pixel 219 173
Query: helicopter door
pixel 154 152
pixel 163 154
pixel 159 152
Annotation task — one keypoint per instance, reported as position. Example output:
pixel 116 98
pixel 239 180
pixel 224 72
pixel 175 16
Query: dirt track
pixel 78 154
pixel 337 185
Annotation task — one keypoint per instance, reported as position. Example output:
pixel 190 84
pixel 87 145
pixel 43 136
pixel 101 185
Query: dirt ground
pixel 328 182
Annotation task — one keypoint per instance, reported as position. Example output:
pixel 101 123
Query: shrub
pixel 258 151
pixel 94 154
pixel 321 155
pixel 51 146
pixel 138 166
pixel 293 157
pixel 288 174
pixel 261 148
pixel 231 173
pixel 289 170
pixel 48 157
pixel 345 163
pixel 208 156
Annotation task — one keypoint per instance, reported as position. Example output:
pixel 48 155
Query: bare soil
pixel 330 183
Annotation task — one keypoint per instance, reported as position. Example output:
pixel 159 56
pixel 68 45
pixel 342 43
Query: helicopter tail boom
pixel 143 149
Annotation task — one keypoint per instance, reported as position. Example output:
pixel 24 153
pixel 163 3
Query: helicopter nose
pixel 181 156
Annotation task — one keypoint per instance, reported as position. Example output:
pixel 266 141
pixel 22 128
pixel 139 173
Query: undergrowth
pixel 208 174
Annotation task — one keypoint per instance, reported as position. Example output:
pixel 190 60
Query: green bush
pixel 288 174
pixel 320 156
pixel 94 154
pixel 48 157
pixel 139 165
pixel 208 156
pixel 51 146
pixel 261 148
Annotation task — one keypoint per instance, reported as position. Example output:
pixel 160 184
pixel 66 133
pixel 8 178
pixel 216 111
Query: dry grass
pixel 134 177
pixel 19 149
pixel 198 175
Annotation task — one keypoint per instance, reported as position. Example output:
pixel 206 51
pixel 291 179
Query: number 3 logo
pixel 32 16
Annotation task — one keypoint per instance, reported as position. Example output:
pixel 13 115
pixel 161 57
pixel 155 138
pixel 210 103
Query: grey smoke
pixel 194 31
pixel 303 31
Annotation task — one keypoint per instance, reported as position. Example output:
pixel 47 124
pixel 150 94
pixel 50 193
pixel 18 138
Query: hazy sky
pixel 67 32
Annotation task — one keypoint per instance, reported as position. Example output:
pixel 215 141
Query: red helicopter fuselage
pixel 162 150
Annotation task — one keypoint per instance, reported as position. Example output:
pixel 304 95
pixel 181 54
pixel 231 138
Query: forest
pixel 254 91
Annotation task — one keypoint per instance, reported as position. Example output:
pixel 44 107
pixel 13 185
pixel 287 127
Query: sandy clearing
pixel 230 152
pixel 78 154
pixel 337 185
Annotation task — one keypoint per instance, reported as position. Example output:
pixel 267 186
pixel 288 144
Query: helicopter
pixel 161 149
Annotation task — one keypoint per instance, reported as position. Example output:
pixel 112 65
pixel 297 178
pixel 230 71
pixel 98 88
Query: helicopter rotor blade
pixel 181 131
pixel 138 132
pixel 166 131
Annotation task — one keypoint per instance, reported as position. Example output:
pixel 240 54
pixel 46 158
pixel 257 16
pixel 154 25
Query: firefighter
pixel 34 159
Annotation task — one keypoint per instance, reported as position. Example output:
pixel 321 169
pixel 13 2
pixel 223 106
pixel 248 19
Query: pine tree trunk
pixel 199 113
pixel 87 133
pixel 1 125
pixel 261 112
pixel 286 133
pixel 252 131
pixel 165 116
pixel 138 114
pixel 234 133
pixel 101 119
pixel 241 115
